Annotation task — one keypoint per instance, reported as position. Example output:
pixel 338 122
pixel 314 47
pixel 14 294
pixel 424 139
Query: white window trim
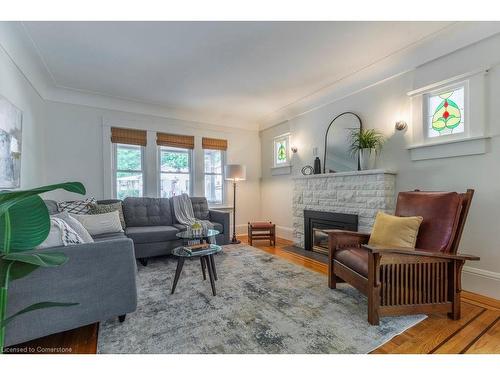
pixel 190 163
pixel 472 141
pixel 114 169
pixel 223 162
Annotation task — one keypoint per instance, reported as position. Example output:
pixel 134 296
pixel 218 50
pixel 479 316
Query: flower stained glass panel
pixel 445 114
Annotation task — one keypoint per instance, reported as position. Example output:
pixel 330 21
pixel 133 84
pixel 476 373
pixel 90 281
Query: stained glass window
pixel 446 113
pixel 281 151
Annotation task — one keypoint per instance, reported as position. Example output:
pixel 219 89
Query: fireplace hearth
pixel 315 222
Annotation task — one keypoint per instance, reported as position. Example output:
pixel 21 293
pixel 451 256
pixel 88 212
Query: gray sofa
pixel 101 276
pixel 151 224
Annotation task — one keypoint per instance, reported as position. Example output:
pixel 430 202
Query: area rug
pixel 264 304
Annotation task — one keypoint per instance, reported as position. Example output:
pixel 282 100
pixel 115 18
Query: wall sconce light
pixel 294 149
pixel 401 125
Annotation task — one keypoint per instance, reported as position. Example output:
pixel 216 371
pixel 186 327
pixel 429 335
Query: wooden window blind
pixel 129 136
pixel 175 140
pixel 214 144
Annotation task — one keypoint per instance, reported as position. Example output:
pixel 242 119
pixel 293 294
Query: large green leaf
pixel 24 218
pixel 36 306
pixel 18 270
pixel 25 225
pixel 44 259
pixel 10 198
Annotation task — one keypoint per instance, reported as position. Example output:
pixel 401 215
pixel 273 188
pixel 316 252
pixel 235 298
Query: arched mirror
pixel 337 156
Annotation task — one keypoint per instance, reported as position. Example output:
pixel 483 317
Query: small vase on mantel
pixel 367 158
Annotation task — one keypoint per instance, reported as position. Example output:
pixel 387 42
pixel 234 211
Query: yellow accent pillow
pixel 395 231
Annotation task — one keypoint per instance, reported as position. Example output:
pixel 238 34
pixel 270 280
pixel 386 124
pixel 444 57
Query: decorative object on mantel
pixel 317 166
pixel 307 170
pixel 336 157
pixel 235 173
pixel 366 144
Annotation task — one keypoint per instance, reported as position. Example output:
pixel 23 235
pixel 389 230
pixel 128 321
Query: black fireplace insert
pixel 314 221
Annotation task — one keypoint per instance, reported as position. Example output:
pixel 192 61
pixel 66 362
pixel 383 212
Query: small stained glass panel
pixel 446 112
pixel 280 152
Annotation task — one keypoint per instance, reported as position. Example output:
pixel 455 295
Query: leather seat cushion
pixel 149 234
pixel 355 258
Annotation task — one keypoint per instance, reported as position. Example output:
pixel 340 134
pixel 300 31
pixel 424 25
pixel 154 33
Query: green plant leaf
pixel 10 198
pixel 36 306
pixel 43 259
pixel 18 270
pixel 25 225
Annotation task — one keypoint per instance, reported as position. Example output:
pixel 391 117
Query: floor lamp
pixel 235 173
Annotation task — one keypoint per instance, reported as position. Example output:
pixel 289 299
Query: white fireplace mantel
pixel 361 193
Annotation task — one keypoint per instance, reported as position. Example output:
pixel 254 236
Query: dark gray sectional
pixel 101 276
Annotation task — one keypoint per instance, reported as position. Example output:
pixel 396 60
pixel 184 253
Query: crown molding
pixel 441 43
pixel 18 45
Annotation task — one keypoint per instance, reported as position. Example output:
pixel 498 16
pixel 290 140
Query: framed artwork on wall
pixel 10 145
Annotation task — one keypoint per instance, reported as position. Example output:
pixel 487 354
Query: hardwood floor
pixel 477 332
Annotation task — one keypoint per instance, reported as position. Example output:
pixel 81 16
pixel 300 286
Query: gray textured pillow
pixel 76 226
pixel 96 209
pixel 100 223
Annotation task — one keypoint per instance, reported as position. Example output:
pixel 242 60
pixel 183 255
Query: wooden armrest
pixel 419 252
pixel 346 232
pixel 338 237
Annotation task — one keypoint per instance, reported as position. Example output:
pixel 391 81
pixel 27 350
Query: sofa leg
pixel 121 318
pixel 144 261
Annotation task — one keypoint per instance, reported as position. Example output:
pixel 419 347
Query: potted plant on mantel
pixel 366 143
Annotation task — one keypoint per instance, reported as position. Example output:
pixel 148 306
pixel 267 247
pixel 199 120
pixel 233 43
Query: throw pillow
pixel 100 223
pixel 395 231
pixel 77 207
pixel 105 208
pixel 76 226
pixel 60 234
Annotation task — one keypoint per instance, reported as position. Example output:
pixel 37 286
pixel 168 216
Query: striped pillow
pixel 77 207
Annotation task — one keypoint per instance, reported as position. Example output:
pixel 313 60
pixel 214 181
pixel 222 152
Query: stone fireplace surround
pixel 361 193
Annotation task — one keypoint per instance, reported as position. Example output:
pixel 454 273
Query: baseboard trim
pixel 483 282
pixel 482 273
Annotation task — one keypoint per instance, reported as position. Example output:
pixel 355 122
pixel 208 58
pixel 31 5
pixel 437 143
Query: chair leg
pixel 455 289
pixel 121 318
pixel 250 235
pixel 332 280
pixel 373 289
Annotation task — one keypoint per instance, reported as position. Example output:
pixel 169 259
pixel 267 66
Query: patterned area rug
pixel 264 304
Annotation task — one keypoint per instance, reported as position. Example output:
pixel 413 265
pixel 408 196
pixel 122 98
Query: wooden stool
pixel 262 230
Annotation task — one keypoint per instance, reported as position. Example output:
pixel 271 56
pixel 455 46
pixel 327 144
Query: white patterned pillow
pixel 77 207
pixel 61 234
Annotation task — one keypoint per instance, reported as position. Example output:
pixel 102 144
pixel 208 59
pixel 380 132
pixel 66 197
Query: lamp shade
pixel 235 172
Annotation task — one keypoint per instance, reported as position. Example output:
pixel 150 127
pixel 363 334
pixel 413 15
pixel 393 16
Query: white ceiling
pixel 230 71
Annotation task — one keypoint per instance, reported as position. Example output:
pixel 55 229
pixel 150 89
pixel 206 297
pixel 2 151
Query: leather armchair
pixel 401 281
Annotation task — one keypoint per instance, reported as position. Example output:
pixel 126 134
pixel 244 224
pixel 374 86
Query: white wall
pixel 16 89
pixel 74 150
pixel 379 107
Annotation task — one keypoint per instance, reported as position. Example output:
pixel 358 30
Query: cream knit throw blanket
pixel 183 210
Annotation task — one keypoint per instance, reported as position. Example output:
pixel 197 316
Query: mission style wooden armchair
pixel 401 281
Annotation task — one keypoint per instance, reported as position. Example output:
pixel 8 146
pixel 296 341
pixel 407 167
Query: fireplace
pixel 315 222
